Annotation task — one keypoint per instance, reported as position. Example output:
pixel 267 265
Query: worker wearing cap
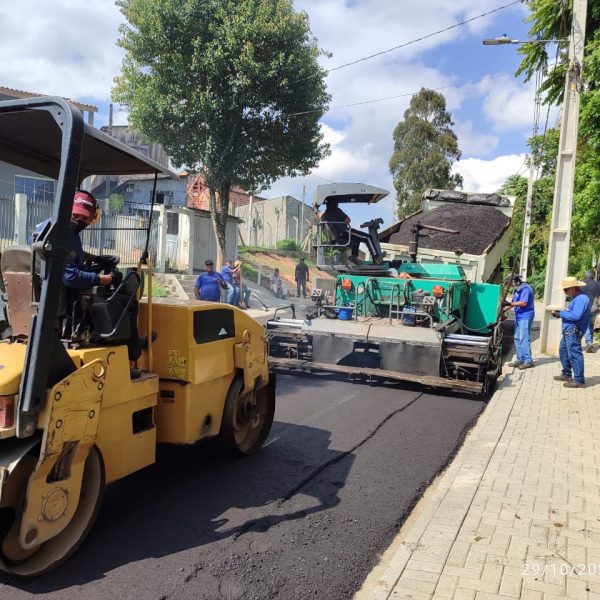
pixel 76 275
pixel 575 320
pixel 592 291
pixel 208 284
pixel 522 303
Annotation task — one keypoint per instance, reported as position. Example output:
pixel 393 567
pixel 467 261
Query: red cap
pixel 84 204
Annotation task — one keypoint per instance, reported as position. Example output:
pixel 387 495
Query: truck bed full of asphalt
pixel 478 226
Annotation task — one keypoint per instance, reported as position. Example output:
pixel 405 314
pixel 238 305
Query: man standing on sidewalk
pixel 228 272
pixel 301 276
pixel 592 291
pixel 575 320
pixel 522 302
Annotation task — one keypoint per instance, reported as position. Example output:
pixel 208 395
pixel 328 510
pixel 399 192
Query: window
pixel 173 223
pixel 35 188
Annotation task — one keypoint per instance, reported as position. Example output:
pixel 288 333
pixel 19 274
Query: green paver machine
pixel 405 321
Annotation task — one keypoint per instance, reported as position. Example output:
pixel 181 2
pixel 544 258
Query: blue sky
pixel 69 49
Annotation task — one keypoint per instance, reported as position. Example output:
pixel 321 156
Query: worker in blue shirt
pixel 208 284
pixel 77 276
pixel 522 303
pixel 575 320
pixel 229 272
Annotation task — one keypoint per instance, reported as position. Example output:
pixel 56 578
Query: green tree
pixel 552 20
pixel 116 202
pixel 231 88
pixel 544 149
pixel 425 146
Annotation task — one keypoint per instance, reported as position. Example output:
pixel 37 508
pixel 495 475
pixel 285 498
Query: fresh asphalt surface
pixel 306 517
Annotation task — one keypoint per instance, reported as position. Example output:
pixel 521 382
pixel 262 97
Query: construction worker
pixel 575 320
pixel 522 304
pixel 77 276
pixel 338 224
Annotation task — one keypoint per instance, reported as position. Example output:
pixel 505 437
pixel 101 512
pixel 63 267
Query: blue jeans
pixel 589 331
pixel 571 355
pixel 230 294
pixel 523 340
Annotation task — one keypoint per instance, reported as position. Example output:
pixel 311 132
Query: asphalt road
pixel 304 518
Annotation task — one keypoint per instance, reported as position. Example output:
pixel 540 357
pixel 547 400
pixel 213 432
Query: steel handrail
pixel 321 229
pixel 395 287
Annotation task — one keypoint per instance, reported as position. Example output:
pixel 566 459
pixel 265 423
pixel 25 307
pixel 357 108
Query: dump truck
pixel 479 253
pixel 77 410
pixel 421 322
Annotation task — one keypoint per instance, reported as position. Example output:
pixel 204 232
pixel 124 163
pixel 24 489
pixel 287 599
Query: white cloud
pixel 69 48
pixel 486 176
pixel 473 143
pixel 509 104
pixel 64 47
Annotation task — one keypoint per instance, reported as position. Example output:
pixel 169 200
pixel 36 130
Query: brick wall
pixel 197 195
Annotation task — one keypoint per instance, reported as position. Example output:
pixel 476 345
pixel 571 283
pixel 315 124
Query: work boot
pixel 589 348
pixel 525 366
pixel 573 384
pixel 355 260
pixel 515 363
pixel 378 260
pixel 562 378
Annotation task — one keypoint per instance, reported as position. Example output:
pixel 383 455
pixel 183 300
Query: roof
pixel 348 192
pixel 31 139
pixel 20 94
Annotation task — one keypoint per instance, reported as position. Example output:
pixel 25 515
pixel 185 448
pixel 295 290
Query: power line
pixel 372 101
pixel 419 39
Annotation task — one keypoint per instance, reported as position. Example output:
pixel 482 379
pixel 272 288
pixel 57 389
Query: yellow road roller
pixel 77 410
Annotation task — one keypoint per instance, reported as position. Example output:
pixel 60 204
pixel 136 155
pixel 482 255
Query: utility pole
pixel 560 230
pixel 526 225
pixel 302 216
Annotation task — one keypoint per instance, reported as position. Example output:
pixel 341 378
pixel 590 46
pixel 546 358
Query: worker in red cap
pixel 76 275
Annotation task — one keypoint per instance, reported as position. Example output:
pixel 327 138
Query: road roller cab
pixel 75 412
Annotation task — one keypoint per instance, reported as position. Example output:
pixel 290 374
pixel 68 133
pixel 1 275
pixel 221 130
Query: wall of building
pixel 204 242
pixel 7 178
pixel 274 220
pixel 137 141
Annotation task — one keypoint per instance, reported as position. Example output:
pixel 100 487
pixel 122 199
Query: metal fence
pixel 37 212
pixel 7 222
pixel 123 233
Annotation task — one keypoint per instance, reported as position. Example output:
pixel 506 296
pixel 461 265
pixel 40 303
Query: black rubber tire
pixel 57 550
pixel 237 433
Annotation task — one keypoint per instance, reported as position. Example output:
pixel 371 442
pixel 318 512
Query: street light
pixel 504 39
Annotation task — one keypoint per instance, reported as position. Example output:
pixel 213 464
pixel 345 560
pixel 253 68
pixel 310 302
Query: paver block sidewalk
pixel 517 513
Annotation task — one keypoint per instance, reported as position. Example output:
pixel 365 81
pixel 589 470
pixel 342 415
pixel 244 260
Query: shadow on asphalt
pixel 179 503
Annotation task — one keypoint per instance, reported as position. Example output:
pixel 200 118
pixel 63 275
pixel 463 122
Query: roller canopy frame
pixel 48 136
pixel 346 193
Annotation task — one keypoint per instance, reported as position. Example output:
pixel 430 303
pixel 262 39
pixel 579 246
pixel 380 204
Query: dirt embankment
pixel 286 265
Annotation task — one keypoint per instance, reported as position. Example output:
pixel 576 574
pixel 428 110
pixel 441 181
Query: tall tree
pixel 425 146
pixel 552 20
pixel 231 88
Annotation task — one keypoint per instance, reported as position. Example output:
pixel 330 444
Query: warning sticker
pixel 177 361
pixel 177 372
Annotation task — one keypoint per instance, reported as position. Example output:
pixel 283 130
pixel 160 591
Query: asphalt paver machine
pixel 75 413
pixel 402 321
